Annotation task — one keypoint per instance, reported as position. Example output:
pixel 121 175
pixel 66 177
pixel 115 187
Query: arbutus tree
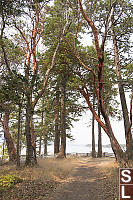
pixel 8 138
pixel 31 40
pixel 98 77
pixel 8 64
pixel 121 33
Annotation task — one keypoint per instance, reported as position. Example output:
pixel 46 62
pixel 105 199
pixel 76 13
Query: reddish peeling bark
pixel 9 141
pixel 31 45
pixel 100 54
pixel 106 127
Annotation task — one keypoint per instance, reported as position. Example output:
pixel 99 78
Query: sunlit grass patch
pixel 9 181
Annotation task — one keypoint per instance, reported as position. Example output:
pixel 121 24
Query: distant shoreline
pixel 106 145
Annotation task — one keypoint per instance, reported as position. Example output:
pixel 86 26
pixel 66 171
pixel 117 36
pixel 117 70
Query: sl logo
pixel 125 184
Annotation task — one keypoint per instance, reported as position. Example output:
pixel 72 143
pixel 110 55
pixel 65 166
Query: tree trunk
pixel 45 145
pixel 40 145
pixel 3 150
pixel 29 153
pixel 106 127
pixel 119 155
pixel 128 136
pixel 93 138
pixel 33 140
pixel 100 54
pixel 93 131
pixel 62 153
pixel 57 131
pixel 99 155
pixel 9 141
pixel 18 139
pixel 114 143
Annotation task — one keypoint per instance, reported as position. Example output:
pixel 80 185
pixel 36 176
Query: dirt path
pixel 92 179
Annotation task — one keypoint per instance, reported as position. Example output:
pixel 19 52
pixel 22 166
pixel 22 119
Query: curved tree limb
pixel 94 29
pixel 82 63
pixel 85 93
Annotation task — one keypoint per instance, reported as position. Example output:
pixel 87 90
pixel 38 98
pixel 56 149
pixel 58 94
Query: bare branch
pixel 23 36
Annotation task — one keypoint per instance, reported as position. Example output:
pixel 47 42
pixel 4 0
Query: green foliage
pixel 11 7
pixel 12 88
pixel 9 181
pixel 128 76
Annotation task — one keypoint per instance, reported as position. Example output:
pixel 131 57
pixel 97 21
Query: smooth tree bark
pixel 9 141
pixel 57 129
pixel 119 154
pixel 106 126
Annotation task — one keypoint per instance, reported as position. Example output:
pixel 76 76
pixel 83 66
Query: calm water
pixel 76 148
pixel 71 148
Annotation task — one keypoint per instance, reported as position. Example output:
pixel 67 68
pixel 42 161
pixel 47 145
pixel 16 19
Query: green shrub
pixel 8 181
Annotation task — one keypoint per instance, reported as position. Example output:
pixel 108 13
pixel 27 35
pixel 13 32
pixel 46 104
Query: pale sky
pixel 82 131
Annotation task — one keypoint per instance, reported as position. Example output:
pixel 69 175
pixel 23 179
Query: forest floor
pixel 68 179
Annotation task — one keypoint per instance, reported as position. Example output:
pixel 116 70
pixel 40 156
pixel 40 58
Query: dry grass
pixel 57 169
pixel 110 168
pixel 39 181
pixel 47 169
